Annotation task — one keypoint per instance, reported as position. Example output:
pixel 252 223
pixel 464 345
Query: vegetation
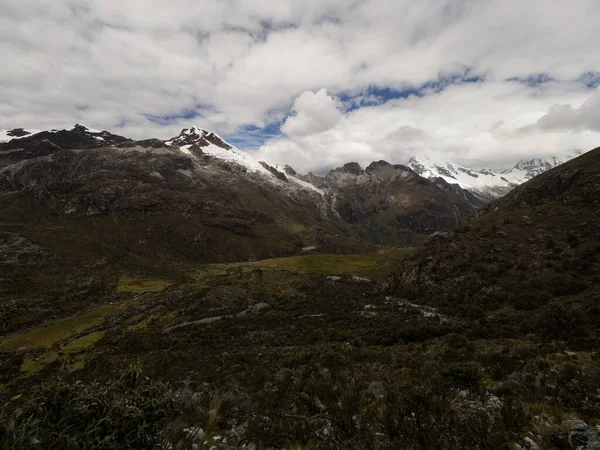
pixel 374 265
pixel 328 363
pixel 140 285
pixel 124 412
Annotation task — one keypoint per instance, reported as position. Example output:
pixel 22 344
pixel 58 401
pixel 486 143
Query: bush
pixel 462 375
pixel 128 412
pixel 558 322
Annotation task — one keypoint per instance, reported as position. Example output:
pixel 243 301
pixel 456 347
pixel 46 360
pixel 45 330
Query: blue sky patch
pixel 533 80
pixel 590 79
pixel 251 136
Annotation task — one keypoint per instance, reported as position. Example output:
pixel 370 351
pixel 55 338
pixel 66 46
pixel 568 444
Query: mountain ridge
pixel 485 184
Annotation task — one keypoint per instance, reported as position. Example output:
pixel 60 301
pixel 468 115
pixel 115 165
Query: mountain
pixel 535 246
pixel 389 203
pixel 151 200
pixel 480 186
pixel 232 202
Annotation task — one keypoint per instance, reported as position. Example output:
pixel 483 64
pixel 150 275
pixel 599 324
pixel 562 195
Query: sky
pixel 313 83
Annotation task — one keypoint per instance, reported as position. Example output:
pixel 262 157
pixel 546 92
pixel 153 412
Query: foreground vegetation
pixel 251 355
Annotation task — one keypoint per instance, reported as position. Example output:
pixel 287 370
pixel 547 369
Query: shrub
pixel 128 412
pixel 462 375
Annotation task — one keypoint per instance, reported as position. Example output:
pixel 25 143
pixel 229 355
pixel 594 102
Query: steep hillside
pixel 539 245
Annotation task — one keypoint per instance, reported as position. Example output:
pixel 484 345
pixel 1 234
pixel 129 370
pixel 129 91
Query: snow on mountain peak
pixel 484 183
pixel 214 145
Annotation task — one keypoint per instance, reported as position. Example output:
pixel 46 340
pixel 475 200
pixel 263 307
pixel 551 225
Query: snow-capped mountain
pixel 195 140
pixel 527 169
pixel 485 184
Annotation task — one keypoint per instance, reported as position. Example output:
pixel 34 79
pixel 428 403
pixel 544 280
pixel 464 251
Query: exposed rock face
pixel 279 175
pixel 392 199
pixel 200 137
pixel 454 188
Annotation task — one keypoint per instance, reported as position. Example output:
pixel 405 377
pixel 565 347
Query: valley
pixel 183 289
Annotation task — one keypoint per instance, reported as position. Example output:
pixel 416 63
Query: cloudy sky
pixel 313 83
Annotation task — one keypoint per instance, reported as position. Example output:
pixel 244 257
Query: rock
pixel 493 403
pixel 579 436
pixel 360 279
pixel 530 444
pixel 526 220
pixel 446 235
pixel 194 433
pixel 574 424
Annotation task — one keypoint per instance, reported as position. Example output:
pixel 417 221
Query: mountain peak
pixel 351 167
pixel 529 168
pixel 200 137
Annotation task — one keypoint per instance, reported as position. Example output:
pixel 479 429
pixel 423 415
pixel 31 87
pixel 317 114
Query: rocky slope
pixel 148 199
pixel 390 202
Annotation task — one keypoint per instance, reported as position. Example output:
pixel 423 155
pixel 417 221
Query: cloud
pixel 475 124
pixel 339 76
pixel 312 113
pixel 566 117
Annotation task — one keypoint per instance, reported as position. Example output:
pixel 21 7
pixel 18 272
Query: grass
pixel 84 342
pixel 32 366
pixel 289 225
pixel 374 265
pixel 48 335
pixel 141 285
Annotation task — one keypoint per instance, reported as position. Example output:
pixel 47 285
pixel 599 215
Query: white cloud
pixel 313 113
pixel 112 64
pixel 566 117
pixel 460 124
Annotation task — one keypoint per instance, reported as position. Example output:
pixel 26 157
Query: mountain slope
pixel 392 200
pixel 537 245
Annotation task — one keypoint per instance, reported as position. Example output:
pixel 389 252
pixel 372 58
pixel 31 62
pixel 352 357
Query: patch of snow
pixel 463 176
pixel 485 182
pixel 5 137
pixel 305 184
pixel 309 248
pixel 233 154
pixel 91 130
pixel 236 156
